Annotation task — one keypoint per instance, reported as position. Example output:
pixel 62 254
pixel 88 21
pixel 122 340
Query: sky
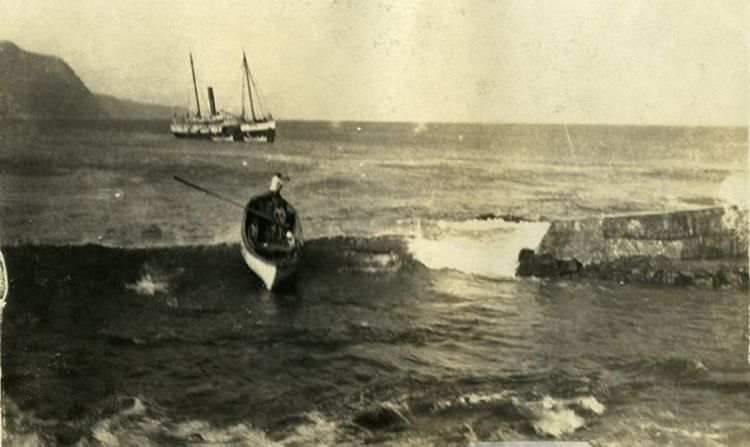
pixel 528 61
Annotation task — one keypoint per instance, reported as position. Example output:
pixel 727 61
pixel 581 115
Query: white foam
pixel 372 262
pixel 488 248
pixel 591 404
pixel 147 285
pixel 319 431
pixel 109 431
pixel 133 426
pixel 475 399
pixel 556 422
pixel 734 190
pixel 201 432
pixel 472 399
pixel 20 428
pixel 556 417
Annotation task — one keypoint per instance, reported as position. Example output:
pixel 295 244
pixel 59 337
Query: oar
pixel 206 191
pixel 220 197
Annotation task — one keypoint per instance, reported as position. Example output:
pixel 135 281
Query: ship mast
pixel 195 85
pixel 243 98
pixel 249 90
pixel 570 143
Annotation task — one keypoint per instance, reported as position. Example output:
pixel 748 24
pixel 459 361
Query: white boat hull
pixel 269 273
pixel 276 261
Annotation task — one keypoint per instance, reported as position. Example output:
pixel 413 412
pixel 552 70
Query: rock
pixel 665 277
pixel 545 266
pixel 639 269
pixel 569 267
pixel 684 278
pixel 735 278
pixel 526 263
pixel 704 281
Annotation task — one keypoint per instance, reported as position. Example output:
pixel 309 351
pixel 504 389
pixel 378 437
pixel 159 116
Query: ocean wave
pixel 138 421
pixel 526 415
pixel 662 433
pixel 470 400
pixel 487 247
pixel 24 428
pixel 669 369
pixel 389 262
pixel 135 424
pixel 131 421
pixel 553 418
pixel 481 247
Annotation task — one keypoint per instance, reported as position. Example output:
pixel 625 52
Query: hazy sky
pixel 574 61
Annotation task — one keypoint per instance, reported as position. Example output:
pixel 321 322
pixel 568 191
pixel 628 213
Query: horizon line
pixel 363 121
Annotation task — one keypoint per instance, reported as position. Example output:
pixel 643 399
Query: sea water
pixel 132 319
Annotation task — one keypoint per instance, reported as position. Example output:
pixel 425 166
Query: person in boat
pixel 277 231
pixel 282 214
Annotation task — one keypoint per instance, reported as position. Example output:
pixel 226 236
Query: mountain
pixel 125 109
pixel 37 86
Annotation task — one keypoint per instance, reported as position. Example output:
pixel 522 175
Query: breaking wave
pixel 733 191
pixel 523 415
pixel 481 247
pixel 135 421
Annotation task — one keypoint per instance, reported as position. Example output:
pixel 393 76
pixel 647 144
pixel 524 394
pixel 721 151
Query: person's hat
pixel 277 182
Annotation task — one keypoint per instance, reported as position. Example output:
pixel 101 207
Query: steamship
pixel 219 125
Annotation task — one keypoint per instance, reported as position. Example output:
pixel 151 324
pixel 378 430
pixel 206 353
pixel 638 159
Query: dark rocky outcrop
pixel 545 265
pixel 705 248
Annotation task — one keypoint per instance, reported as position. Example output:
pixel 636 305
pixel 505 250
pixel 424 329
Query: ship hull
pixel 264 132
pixel 261 131
pixel 202 131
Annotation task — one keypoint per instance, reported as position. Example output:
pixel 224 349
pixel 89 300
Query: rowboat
pixel 272 240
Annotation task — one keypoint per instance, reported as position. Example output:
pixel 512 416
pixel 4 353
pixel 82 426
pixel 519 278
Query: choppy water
pixel 132 319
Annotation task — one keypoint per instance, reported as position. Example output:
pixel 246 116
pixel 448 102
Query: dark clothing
pixel 278 218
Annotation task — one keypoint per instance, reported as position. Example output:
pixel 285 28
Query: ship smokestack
pixel 211 102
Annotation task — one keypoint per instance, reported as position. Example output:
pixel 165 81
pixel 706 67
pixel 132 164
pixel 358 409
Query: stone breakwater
pixel 706 248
